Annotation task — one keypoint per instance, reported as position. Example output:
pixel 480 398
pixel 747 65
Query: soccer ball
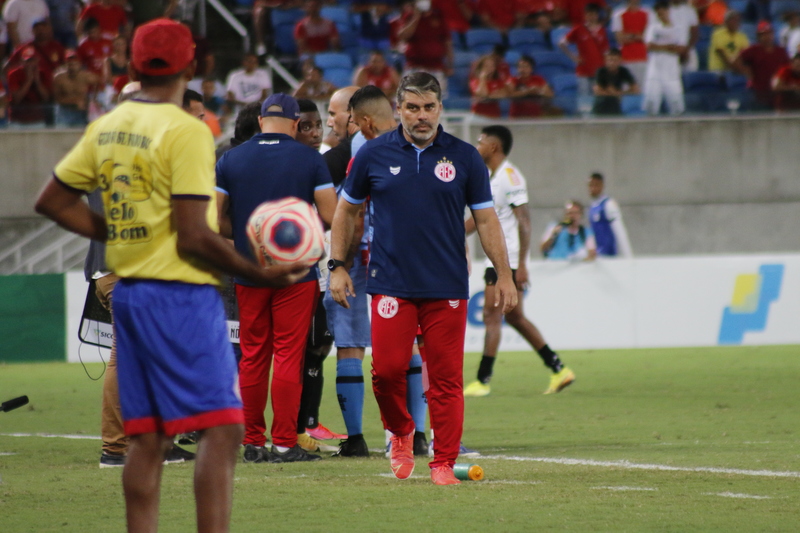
pixel 286 231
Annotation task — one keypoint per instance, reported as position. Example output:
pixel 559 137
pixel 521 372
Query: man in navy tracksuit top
pixel 273 322
pixel 419 180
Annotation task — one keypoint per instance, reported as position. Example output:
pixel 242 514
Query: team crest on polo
pixel 445 170
pixel 394 170
pixel 388 306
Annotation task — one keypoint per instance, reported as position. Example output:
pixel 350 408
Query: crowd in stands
pixel 64 61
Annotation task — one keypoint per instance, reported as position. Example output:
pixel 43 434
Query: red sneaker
pixel 322 433
pixel 402 455
pixel 443 475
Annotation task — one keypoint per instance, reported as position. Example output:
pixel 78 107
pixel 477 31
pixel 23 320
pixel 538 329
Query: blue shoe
pixel 463 451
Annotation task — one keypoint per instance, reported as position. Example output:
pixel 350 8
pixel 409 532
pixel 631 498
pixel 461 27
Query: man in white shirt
pixel 684 16
pixel 510 194
pixel 610 235
pixel 248 84
pixel 19 16
pixel 665 44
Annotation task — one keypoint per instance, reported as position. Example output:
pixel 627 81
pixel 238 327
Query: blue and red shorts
pixel 176 369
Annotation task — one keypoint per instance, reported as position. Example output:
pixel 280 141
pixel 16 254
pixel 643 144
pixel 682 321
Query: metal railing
pixel 66 252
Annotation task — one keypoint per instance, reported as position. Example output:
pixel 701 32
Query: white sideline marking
pixel 510 482
pixel 8 453
pixel 640 466
pixel 737 495
pixel 51 436
pixel 624 488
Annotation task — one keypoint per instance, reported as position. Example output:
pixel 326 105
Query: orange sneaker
pixel 443 475
pixel 322 433
pixel 402 455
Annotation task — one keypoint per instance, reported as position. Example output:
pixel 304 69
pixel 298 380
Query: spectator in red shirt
pixel 760 61
pixel 592 42
pixel 628 24
pixel 376 72
pixel 539 14
pixel 94 49
pixel 457 14
pixel 499 15
pixel 530 93
pixel 30 90
pixel 111 16
pixel 314 33
pixel 50 52
pixel 488 86
pixel 427 38
pixel 786 86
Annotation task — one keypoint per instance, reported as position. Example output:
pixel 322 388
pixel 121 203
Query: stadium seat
pixel 340 77
pixel 565 84
pixel 483 40
pixel 550 72
pixel 284 39
pixel 286 16
pixel 458 83
pixel 527 41
pixel 568 103
pixel 705 31
pixel 749 29
pixel 738 5
pixel 328 60
pixel 557 34
pixel 464 59
pixel 511 57
pixel 778 8
pixel 553 58
pixel 632 105
pixel 338 14
pixel 702 83
pixel 457 103
pixel 735 82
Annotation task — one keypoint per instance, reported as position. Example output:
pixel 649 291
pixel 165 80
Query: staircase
pixel 36 246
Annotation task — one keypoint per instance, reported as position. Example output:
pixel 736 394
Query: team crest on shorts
pixel 454 303
pixel 445 170
pixel 388 306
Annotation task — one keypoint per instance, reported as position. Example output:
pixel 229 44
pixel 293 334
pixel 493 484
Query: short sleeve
pixel 190 153
pixel 572 35
pixel 78 168
pixel 516 190
pixel 222 178
pixel 479 191
pixel 357 183
pixel 649 33
pixel 299 30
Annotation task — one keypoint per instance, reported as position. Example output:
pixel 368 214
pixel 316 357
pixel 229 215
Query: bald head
pixel 371 111
pixel 338 114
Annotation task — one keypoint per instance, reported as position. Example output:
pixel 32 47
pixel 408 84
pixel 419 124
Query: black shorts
pixel 490 276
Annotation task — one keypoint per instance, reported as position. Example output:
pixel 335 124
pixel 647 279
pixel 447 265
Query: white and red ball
pixel 287 231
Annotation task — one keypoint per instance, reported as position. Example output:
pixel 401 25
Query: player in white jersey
pixel 510 194
pixel 666 42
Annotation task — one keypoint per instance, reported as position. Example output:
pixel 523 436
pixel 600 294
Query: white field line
pixel 625 488
pixel 639 466
pixel 52 436
pixel 737 495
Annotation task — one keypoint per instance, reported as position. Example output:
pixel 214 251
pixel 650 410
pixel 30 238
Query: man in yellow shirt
pixel 726 43
pixel 154 164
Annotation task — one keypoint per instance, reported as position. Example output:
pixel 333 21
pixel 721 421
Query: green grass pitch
pixel 667 440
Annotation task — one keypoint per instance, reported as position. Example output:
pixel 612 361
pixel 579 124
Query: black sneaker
pixel 420 444
pixel 294 454
pixel 178 455
pixel 255 454
pixel 110 460
pixel 353 446
pixel 189 438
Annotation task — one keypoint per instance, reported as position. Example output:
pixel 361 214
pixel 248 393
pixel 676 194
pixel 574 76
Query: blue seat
pixel 464 59
pixel 557 34
pixel 552 58
pixel 340 77
pixel 631 105
pixel 457 103
pixel 483 40
pixel 511 57
pixel 738 5
pixel 565 84
pixel 522 36
pixel 338 14
pixel 532 48
pixel 328 60
pixel 702 83
pixel 567 103
pixel 749 29
pixel 705 31
pixel 735 82
pixel 286 16
pixel 284 39
pixel 458 83
pixel 550 72
pixel 778 8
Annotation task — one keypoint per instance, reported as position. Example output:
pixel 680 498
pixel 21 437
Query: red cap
pixel 70 54
pixel 27 53
pixel 763 27
pixel 164 40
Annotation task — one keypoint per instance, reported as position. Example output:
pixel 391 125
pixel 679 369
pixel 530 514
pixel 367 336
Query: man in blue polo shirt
pixel 419 180
pixel 274 323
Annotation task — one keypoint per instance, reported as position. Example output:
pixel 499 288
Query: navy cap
pixel 282 105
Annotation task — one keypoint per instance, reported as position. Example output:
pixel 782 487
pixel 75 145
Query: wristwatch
pixel 333 264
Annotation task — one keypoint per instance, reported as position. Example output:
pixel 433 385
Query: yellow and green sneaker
pixel 560 380
pixel 477 389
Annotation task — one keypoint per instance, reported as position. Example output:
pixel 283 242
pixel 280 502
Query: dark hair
pixel 158 81
pixel 307 106
pixel 418 83
pixel 596 176
pixel 796 56
pixel 502 134
pixel 594 8
pixel 613 51
pixel 366 94
pixel 90 24
pixel 190 96
pixel 499 49
pixel 528 59
pixel 247 122
pixel 661 4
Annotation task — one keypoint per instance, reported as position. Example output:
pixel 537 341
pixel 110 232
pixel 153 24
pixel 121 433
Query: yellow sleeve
pixel 191 157
pixel 78 168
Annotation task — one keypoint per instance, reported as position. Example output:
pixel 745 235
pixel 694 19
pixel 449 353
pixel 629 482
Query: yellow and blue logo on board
pixel 753 295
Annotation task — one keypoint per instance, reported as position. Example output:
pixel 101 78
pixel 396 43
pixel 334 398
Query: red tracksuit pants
pixel 273 324
pixel 443 324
